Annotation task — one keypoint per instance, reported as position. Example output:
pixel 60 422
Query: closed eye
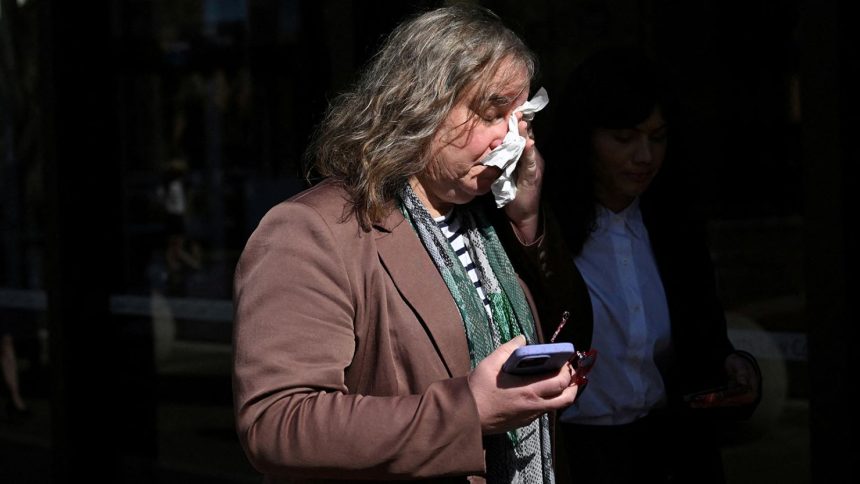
pixel 659 136
pixel 623 135
pixel 493 115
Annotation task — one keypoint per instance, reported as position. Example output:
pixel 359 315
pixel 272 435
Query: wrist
pixel 528 229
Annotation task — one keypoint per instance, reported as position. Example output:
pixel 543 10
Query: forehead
pixel 653 122
pixel 508 84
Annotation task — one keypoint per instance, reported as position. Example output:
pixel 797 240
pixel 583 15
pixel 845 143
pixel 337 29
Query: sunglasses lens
pixel 582 365
pixel 585 361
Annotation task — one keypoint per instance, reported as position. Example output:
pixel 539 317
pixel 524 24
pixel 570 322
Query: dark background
pixel 125 360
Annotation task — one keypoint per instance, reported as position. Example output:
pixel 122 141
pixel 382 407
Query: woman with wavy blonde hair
pixel 374 311
pixel 379 134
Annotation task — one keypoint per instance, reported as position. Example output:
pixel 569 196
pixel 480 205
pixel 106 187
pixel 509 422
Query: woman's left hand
pixel 742 389
pixel 506 401
pixel 742 373
pixel 524 210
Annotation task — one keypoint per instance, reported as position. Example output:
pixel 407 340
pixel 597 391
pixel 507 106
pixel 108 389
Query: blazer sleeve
pixel 295 338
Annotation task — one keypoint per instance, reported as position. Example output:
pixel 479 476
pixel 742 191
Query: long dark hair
pixel 616 87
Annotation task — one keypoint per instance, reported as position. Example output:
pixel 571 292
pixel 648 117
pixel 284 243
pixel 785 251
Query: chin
pixel 637 189
pixel 484 185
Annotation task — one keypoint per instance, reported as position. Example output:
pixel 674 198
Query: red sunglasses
pixel 582 361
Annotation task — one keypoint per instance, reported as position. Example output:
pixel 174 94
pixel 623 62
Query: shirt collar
pixel 631 217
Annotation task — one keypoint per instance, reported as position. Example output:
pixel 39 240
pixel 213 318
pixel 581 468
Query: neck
pixel 436 208
pixel 616 204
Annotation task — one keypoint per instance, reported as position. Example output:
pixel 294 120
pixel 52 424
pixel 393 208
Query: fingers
pixel 525 129
pixel 741 371
pixel 730 397
pixel 505 401
pixel 550 386
pixel 743 377
pixel 745 398
pixel 524 125
pixel 530 158
pixel 544 392
pixel 564 399
pixel 505 349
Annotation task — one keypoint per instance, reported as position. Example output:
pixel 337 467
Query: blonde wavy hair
pixel 377 135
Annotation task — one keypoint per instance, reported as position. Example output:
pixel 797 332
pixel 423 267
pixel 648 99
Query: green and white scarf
pixel 524 455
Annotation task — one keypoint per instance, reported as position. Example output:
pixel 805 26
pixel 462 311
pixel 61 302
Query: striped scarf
pixel 524 455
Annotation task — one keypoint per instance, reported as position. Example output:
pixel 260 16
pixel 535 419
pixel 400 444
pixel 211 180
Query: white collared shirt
pixel 631 321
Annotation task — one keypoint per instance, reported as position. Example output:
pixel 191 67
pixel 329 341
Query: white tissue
pixel 507 154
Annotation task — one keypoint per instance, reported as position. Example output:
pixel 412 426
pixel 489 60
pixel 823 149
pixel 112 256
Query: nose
pixel 499 133
pixel 643 152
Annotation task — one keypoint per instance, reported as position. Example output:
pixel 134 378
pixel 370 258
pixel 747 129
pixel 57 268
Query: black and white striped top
pixel 454 232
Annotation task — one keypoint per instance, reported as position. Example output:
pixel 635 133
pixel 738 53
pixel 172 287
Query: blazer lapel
pixel 418 280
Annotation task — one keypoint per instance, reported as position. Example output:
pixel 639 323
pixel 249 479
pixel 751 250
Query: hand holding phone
pixel 507 401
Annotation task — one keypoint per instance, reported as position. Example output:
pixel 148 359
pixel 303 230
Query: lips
pixel 639 177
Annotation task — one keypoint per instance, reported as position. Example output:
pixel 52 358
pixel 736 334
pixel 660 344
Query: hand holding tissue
pixel 506 155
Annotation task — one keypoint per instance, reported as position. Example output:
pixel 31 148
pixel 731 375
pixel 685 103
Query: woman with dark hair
pixel 375 310
pixel 643 261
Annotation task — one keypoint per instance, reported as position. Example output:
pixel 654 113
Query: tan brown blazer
pixel 350 356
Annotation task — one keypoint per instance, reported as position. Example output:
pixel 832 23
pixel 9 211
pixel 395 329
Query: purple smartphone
pixel 538 358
